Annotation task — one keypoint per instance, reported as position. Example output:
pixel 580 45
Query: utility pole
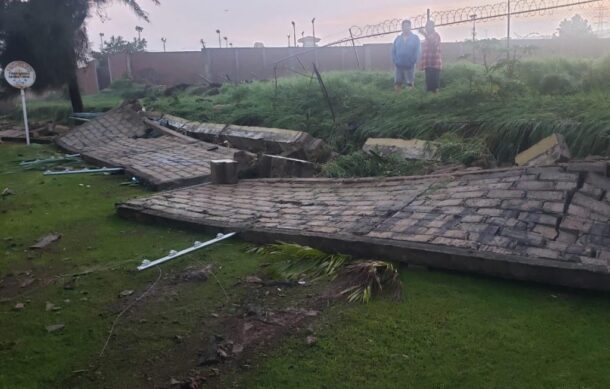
pixel 474 36
pixel 164 40
pixel 294 30
pixel 601 18
pixel 508 31
pixel 219 39
pixel 101 41
pixel 354 47
pixel 313 28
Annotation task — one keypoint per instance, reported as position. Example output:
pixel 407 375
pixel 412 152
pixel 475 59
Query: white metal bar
pixel 25 117
pixel 53 159
pixel 83 171
pixel 146 264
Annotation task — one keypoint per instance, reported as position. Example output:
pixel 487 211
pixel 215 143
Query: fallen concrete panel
pixel 405 148
pixel 550 150
pixel 544 224
pixel 288 143
pixel 121 138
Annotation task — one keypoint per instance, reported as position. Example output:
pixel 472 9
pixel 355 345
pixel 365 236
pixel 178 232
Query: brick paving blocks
pixel 545 224
pixel 120 138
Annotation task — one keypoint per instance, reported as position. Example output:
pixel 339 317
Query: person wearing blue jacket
pixel 405 54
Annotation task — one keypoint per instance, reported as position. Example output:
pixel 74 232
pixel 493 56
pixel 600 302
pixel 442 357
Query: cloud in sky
pixel 185 22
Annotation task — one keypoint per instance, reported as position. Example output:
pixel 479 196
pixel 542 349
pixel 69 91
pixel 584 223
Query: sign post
pixel 21 75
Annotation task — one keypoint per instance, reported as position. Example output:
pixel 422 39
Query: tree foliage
pixel 117 45
pixel 51 36
pixel 47 34
pixel 576 27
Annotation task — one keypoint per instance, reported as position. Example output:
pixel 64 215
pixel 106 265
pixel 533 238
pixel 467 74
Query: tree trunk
pixel 75 97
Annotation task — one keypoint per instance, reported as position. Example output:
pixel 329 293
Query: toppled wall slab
pixel 548 151
pixel 120 138
pixel 274 166
pixel 39 133
pixel 287 143
pixel 405 148
pixel 545 224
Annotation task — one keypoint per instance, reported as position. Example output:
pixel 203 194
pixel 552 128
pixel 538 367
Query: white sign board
pixel 19 74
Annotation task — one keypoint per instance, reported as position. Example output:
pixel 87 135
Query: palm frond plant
pixel 357 281
pixel 363 280
pixel 299 262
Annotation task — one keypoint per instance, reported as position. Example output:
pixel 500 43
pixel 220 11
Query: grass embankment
pixel 503 108
pixel 450 330
pixel 507 108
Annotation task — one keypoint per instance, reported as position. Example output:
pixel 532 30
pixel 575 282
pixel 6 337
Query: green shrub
pixel 557 84
pixel 454 149
pixel 361 164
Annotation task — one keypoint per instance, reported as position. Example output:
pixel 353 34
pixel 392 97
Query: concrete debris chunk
pixel 224 172
pixel 45 241
pixel 126 293
pixel 405 148
pixel 273 166
pixel 311 340
pixel 7 192
pixel 55 328
pixel 549 151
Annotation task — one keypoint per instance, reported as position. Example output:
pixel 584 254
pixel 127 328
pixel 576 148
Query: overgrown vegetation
pixel 499 108
pixel 506 107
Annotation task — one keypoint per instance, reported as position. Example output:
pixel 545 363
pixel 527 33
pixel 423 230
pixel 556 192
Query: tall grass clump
pixel 361 164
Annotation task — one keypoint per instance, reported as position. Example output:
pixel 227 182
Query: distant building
pixel 309 41
pixel 259 45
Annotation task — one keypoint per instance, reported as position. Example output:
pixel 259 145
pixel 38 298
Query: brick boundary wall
pixel 243 64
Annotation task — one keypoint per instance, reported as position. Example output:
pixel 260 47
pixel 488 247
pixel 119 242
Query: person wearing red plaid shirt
pixel 431 62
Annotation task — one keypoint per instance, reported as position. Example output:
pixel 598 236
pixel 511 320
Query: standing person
pixel 405 54
pixel 431 62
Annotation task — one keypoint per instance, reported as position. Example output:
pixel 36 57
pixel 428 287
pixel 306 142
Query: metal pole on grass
pixel 25 118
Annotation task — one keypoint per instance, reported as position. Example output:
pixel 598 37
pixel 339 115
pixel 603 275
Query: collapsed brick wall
pixel 120 138
pixel 550 224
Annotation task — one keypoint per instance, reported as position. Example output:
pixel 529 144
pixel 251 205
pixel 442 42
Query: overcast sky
pixel 185 22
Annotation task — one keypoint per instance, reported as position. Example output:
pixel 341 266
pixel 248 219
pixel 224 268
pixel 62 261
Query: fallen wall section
pixel 120 138
pixel 545 224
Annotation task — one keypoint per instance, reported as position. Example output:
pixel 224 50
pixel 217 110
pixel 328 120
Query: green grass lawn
pixel 451 330
pixel 81 208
